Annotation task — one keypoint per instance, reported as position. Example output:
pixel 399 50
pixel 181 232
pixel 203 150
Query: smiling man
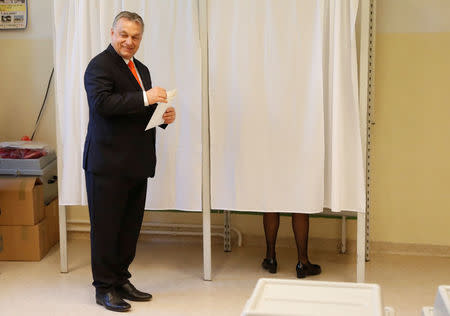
pixel 119 156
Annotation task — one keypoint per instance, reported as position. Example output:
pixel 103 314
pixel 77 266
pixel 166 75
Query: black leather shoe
pixel 112 301
pixel 270 264
pixel 307 269
pixel 129 292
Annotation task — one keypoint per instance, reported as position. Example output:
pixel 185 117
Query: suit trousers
pixel 116 208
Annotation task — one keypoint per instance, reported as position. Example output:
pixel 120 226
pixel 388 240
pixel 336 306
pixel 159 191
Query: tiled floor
pixel 173 273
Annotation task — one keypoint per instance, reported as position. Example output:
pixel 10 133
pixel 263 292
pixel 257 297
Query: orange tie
pixel 133 70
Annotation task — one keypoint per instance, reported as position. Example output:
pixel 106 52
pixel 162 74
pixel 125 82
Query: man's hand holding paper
pixel 156 95
pixel 169 115
pixel 164 113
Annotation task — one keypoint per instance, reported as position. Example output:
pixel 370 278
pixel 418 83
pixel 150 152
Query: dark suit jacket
pixel 116 140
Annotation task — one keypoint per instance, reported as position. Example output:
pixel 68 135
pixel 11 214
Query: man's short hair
pixel 130 16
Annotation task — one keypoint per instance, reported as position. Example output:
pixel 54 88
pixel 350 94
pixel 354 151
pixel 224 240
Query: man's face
pixel 126 37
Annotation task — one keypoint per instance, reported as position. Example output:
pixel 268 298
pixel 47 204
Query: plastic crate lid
pixel 26 167
pixel 296 297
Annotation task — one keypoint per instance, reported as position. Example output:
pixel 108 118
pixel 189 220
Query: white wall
pixel 26 61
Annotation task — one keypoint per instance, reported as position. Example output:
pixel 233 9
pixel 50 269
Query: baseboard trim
pixel 410 249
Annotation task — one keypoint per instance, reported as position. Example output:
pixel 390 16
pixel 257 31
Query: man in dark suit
pixel 119 156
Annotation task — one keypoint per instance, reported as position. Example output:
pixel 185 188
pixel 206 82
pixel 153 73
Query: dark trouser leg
pixel 107 197
pixel 131 226
pixel 271 224
pixel 300 226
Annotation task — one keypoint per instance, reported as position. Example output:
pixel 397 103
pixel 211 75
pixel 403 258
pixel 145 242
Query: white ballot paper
pixel 160 109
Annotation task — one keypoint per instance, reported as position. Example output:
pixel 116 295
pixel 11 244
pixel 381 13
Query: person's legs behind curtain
pixel 300 226
pixel 271 223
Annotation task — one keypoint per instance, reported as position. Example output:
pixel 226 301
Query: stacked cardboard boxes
pixel 28 228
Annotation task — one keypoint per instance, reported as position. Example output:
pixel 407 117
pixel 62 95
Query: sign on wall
pixel 13 14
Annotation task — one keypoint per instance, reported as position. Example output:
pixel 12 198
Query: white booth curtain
pixel 171 49
pixel 344 155
pixel 284 112
pixel 284 119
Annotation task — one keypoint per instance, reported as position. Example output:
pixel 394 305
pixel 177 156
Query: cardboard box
pixel 24 243
pixel 21 201
pixel 52 216
pixel 30 242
